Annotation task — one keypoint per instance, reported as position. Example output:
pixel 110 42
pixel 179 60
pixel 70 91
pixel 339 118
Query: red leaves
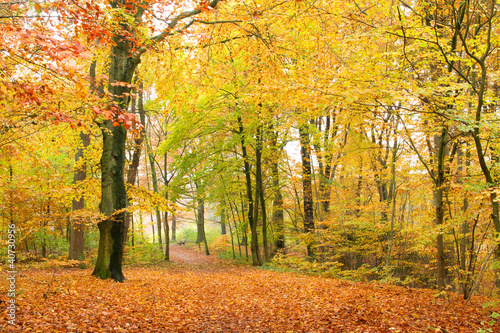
pixel 118 116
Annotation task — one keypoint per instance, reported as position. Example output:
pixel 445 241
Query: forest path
pixel 198 293
pixel 190 255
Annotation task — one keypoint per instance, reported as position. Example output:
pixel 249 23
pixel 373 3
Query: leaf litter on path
pixel 209 295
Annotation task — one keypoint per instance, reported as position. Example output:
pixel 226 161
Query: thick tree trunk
pixel 305 153
pixel 114 194
pixel 76 240
pixel 113 203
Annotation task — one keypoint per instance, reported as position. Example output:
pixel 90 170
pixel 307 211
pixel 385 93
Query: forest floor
pixel 196 293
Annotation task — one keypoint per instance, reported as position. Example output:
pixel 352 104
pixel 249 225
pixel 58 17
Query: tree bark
pixel 154 180
pixel 114 194
pixel 165 225
pixel 174 226
pixel 113 203
pixel 259 191
pixel 254 243
pixel 305 153
pixel 76 240
pixel 200 219
pixel 440 178
pixel 223 230
pixel 136 157
pixel 278 217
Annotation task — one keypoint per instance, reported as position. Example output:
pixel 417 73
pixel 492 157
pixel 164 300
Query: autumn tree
pixel 127 45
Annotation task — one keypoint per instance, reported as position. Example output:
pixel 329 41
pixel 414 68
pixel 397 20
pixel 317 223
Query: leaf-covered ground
pixel 196 294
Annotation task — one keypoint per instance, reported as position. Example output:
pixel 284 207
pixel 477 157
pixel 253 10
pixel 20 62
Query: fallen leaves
pixel 217 297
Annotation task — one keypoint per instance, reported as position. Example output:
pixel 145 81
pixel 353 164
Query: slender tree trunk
pixel 259 193
pixel 325 187
pixel 165 225
pixel 236 226
pixel 441 148
pixel 305 153
pixel 132 238
pixel 252 220
pixel 136 157
pixel 154 180
pixel 149 189
pixel 200 221
pixel 167 236
pixel 232 238
pixel 174 226
pixel 278 219
pixel 223 230
pixel 439 219
pixel 77 229
pixel 464 277
pixel 264 226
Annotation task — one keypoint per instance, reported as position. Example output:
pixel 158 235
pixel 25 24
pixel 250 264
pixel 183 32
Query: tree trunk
pixel 254 243
pixel 440 178
pixel 154 180
pixel 76 240
pixel 167 236
pixel 114 194
pixel 165 225
pixel 223 230
pixel 200 220
pixel 113 203
pixel 259 194
pixel 134 165
pixel 305 153
pixel 324 185
pixel 278 219
pixel 174 226
pixel 259 191
pixel 264 226
pixel 439 219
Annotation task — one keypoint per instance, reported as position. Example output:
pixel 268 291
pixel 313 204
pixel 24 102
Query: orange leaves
pixel 218 298
pixel 118 116
pixel 204 5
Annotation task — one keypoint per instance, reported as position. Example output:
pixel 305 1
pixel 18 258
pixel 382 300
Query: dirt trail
pixel 190 255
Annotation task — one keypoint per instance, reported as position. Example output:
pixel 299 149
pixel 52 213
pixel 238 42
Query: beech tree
pixel 125 55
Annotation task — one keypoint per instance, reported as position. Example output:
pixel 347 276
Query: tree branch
pixel 170 26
